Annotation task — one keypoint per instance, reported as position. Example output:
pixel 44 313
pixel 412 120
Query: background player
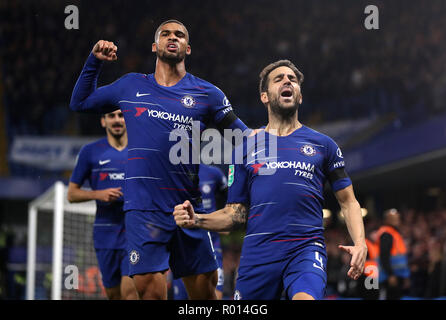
pixel 214 188
pixel 154 105
pixel 284 244
pixel 102 164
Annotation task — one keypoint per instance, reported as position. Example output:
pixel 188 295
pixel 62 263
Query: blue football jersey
pixel 284 193
pixel 152 112
pixel 104 167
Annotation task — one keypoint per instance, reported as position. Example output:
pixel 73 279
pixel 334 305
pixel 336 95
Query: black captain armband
pixel 337 174
pixel 232 122
pixel 227 121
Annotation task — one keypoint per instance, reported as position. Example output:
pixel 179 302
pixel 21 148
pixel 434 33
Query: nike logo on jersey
pixel 253 154
pixel 102 162
pixel 142 94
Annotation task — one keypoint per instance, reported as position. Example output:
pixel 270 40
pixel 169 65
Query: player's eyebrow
pixel 280 76
pixel 177 32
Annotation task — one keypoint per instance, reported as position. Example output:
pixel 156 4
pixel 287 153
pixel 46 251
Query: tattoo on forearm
pixel 239 216
pixel 198 220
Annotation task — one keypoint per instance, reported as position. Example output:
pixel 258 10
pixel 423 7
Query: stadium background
pixel 379 93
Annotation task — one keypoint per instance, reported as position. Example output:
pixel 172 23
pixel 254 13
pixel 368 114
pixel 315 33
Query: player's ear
pixel 103 122
pixel 188 50
pixel 154 47
pixel 300 93
pixel 264 97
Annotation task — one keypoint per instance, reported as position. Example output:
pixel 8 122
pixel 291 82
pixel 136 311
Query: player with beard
pixel 280 199
pixel 102 164
pixel 154 105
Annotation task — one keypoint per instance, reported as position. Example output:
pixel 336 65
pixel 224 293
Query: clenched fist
pixel 184 215
pixel 105 50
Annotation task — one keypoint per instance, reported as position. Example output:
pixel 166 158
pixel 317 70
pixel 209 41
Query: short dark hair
pixel 171 21
pixel 263 86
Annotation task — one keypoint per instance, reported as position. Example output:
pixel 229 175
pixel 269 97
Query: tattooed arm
pixel 231 217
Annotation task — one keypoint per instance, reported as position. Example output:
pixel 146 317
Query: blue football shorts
pixel 113 264
pixel 302 271
pixel 155 243
pixel 179 290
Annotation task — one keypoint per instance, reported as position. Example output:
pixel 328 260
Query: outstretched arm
pixel 86 97
pixel 231 217
pixel 355 225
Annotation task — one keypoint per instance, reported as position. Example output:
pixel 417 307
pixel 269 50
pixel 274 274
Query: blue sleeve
pixel 335 160
pixel 82 168
pixel 238 124
pixel 87 98
pixel 238 184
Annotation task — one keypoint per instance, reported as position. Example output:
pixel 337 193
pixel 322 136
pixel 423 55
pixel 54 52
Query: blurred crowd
pixel 350 72
pixel 424 234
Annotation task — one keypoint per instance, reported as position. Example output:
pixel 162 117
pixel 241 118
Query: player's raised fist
pixel 105 50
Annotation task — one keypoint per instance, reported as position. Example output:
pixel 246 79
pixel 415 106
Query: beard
pixel 117 135
pixel 278 109
pixel 170 58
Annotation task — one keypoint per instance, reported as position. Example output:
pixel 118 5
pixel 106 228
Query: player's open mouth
pixel 172 47
pixel 287 92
